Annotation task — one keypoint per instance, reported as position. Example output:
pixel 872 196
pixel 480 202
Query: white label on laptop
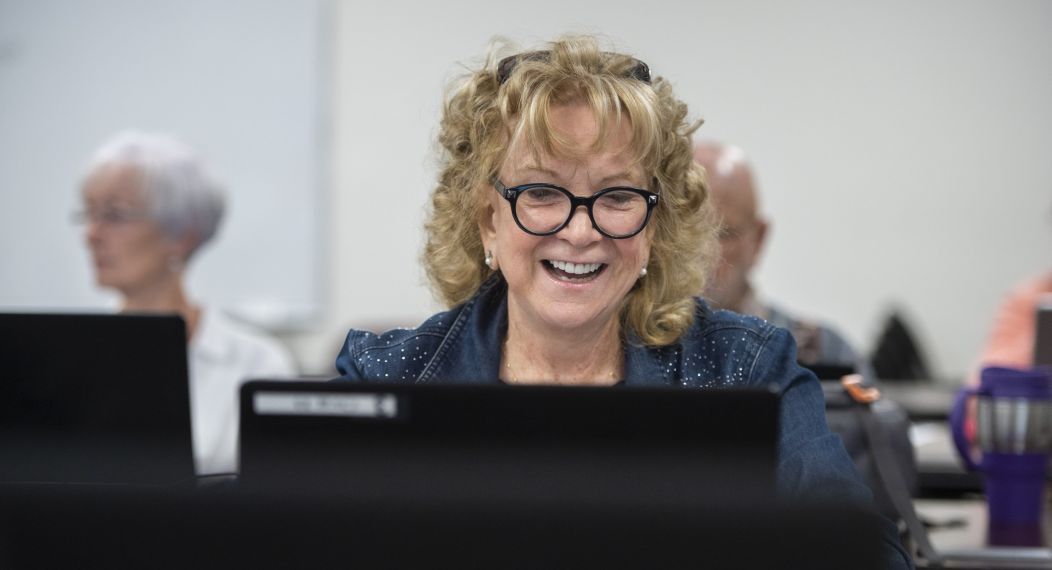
pixel 323 404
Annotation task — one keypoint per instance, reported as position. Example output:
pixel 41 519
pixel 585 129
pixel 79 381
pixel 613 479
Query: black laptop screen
pixel 94 399
pixel 523 445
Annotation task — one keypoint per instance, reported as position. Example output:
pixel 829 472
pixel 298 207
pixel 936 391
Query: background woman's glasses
pixel 108 216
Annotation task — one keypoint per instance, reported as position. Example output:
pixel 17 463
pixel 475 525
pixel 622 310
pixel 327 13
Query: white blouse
pixel 222 355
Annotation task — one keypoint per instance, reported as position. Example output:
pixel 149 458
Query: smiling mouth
pixel 573 272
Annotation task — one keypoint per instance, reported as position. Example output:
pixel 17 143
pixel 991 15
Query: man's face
pixel 741 238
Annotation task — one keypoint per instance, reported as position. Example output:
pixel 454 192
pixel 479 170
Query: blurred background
pixel 901 148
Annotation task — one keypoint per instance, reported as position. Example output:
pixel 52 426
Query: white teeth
pixel 576 268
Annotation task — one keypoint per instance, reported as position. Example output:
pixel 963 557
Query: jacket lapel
pixel 470 351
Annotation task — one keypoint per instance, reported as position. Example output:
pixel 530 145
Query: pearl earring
pixel 643 272
pixel 489 259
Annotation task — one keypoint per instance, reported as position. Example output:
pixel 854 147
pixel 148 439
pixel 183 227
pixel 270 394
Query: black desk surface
pixel 56 527
pixel 923 400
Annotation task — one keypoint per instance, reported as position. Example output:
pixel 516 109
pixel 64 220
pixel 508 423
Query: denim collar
pixel 471 349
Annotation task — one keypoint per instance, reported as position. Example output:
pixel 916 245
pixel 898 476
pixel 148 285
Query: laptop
pixel 97 399
pixel 512 445
pixel 531 477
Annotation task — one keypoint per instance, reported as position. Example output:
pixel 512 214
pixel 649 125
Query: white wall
pixel 902 146
pixel 244 91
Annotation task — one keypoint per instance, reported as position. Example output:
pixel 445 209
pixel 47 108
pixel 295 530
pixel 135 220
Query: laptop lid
pixel 94 399
pixel 512 445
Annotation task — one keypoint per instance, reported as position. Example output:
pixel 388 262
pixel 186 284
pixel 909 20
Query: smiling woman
pixel 569 231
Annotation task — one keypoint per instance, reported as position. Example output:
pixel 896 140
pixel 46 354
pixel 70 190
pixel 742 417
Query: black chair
pixel 898 355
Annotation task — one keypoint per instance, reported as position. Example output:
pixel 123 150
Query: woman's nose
pixel 580 230
pixel 93 230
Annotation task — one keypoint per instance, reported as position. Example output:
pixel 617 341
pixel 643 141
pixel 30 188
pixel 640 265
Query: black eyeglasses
pixel 640 70
pixel 544 209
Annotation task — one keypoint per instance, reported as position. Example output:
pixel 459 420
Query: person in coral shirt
pixel 1012 337
pixel 1011 341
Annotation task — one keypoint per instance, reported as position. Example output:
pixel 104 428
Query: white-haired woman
pixel 149 206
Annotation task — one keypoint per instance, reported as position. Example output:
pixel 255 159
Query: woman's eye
pixel 622 200
pixel 542 194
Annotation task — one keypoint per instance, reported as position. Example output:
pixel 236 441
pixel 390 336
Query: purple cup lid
pixel 1003 382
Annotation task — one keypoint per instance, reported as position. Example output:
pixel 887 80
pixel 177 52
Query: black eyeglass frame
pixel 110 216
pixel 511 194
pixel 640 71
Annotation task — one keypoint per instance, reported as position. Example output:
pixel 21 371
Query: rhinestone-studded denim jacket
pixel 721 350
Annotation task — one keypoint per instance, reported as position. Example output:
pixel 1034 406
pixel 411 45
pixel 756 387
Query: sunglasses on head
pixel 640 71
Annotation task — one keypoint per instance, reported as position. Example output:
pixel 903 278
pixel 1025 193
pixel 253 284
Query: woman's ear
pixel 180 249
pixel 488 226
pixel 488 232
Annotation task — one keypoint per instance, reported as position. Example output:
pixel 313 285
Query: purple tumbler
pixel 1013 427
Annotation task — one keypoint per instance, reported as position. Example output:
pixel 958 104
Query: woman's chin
pixel 560 312
pixel 104 280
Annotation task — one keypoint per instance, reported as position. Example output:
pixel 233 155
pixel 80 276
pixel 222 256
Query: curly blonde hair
pixel 482 115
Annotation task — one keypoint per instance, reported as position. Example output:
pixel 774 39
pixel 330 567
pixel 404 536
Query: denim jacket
pixel 721 350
